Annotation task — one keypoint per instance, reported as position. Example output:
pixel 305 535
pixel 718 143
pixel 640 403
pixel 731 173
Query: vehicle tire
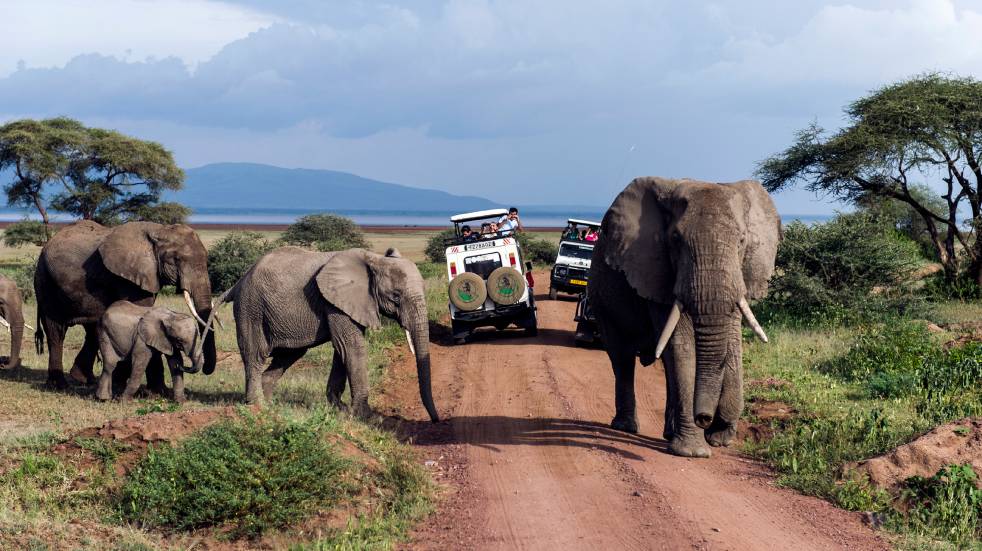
pixel 506 286
pixel 467 291
pixel 553 294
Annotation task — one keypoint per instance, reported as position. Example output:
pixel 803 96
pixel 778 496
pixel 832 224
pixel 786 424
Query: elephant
pixel 86 267
pixel 673 271
pixel 133 333
pixel 12 317
pixel 293 299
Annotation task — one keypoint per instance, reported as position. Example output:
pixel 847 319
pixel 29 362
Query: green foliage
pixel 25 232
pixel 539 251
pixel 101 175
pixel 162 213
pixel 945 506
pixel 23 276
pixel 326 232
pixel 902 216
pixel 232 256
pixel 849 269
pixel 436 249
pixel 247 476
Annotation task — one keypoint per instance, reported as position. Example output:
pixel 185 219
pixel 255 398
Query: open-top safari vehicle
pixel 571 272
pixel 490 285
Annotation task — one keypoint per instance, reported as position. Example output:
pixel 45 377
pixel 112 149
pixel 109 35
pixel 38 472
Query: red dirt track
pixel 528 461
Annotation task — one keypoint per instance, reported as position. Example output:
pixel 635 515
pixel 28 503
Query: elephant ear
pixel 128 252
pixel 152 331
pixel 346 282
pixel 634 237
pixel 763 236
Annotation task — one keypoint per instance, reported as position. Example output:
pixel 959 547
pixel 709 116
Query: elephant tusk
pixel 187 299
pixel 410 341
pixel 670 324
pixel 27 325
pixel 220 322
pixel 5 323
pixel 751 319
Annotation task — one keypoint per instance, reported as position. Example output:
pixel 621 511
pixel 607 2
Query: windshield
pixel 583 252
pixel 482 264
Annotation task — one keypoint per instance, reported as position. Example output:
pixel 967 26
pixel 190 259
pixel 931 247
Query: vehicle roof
pixel 584 222
pixel 478 215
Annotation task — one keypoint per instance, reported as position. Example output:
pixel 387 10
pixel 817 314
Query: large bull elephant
pixel 294 299
pixel 86 267
pixel 673 271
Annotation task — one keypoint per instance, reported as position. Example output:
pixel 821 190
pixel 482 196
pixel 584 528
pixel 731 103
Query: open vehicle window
pixel 584 252
pixel 482 264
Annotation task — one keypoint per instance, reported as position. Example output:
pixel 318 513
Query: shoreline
pixel 367 228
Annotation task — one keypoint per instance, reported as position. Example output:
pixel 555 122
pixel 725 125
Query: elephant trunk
pixel 199 289
pixel 712 334
pixel 417 329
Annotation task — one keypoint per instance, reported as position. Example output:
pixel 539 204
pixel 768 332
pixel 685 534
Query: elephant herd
pixel 671 277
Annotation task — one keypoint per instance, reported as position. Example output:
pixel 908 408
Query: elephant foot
pixel 57 380
pixel 626 424
pixel 102 397
pixel 720 434
pixel 668 434
pixel 694 446
pixel 79 375
pixel 10 365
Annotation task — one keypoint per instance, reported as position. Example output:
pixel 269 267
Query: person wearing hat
pixel 467 234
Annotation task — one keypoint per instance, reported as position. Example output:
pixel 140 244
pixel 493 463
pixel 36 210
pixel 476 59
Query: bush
pixel 539 251
pixel 246 476
pixel 25 232
pixel 435 248
pixel 23 276
pixel 946 506
pixel 233 255
pixel 162 213
pixel 327 232
pixel 852 268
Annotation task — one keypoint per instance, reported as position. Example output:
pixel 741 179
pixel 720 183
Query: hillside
pixel 250 186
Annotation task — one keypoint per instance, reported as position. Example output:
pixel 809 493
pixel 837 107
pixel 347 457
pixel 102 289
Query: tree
pixel 98 174
pixel 25 232
pixel 326 232
pixel 908 133
pixel 233 255
pixel 905 219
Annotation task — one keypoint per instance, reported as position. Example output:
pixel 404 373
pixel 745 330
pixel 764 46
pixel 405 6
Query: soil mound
pixel 955 443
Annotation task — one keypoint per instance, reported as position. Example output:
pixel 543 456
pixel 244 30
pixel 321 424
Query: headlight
pixel 561 271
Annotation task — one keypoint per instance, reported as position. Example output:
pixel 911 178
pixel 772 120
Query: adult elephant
pixel 86 267
pixel 675 267
pixel 294 299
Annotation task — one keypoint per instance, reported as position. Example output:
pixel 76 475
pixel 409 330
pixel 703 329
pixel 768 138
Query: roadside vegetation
pixel 875 325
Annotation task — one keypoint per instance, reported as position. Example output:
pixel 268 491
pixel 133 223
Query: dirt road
pixel 529 461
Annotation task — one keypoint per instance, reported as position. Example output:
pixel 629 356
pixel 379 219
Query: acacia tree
pixel 925 130
pixel 92 173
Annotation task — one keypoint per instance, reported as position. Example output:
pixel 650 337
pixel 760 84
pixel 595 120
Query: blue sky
pixel 521 101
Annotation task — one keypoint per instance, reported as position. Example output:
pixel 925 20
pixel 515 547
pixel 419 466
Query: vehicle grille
pixel 578 273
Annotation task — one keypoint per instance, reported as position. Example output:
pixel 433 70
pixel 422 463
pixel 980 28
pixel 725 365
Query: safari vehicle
pixel 489 284
pixel 571 272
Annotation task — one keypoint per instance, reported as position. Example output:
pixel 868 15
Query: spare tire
pixel 506 286
pixel 467 291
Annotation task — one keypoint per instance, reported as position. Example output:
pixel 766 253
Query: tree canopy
pixel 898 140
pixel 95 174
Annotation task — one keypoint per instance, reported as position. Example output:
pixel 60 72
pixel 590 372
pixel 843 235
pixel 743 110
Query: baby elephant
pixel 135 333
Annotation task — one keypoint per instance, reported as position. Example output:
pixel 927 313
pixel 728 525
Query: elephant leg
pixel 671 403
pixel 724 426
pixel 109 359
pixel 336 381
pixel 252 348
pixel 620 350
pixel 283 358
pixel 85 359
pixel 349 341
pixel 139 359
pixel 155 375
pixel 687 440
pixel 177 377
pixel 55 333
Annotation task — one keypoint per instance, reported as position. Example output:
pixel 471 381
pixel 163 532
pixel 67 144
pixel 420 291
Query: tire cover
pixel 467 291
pixel 506 286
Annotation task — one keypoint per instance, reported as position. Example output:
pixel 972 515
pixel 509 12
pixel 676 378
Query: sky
pixel 519 101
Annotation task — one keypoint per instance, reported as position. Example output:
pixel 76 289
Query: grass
pixel 42 492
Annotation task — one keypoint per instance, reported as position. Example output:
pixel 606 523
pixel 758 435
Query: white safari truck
pixel 489 284
pixel 571 272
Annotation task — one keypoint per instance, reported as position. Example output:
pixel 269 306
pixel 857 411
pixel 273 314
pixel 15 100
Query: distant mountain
pixel 252 186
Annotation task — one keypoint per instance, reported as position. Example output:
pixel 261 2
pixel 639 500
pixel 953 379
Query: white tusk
pixel 751 320
pixel 220 322
pixel 27 325
pixel 673 320
pixel 187 299
pixel 4 323
pixel 410 341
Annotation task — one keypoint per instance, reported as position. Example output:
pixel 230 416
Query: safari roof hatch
pixel 478 215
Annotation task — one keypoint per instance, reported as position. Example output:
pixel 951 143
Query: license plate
pixel 577 282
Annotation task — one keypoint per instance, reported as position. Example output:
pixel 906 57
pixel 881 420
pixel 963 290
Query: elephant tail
pixel 39 335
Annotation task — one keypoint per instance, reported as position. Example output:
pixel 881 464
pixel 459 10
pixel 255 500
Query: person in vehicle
pixel 467 235
pixel 510 223
pixel 488 229
pixel 570 231
pixel 591 235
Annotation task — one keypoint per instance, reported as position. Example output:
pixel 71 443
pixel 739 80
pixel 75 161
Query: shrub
pixel 435 248
pixel 538 251
pixel 946 505
pixel 162 213
pixel 246 476
pixel 325 232
pixel 852 268
pixel 23 276
pixel 25 232
pixel 233 255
